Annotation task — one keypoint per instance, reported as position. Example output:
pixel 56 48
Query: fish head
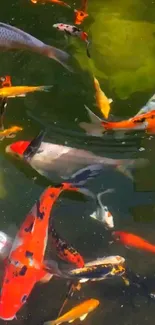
pixel 58 26
pixel 107 217
pixel 93 303
pixel 17 148
pixel 5 81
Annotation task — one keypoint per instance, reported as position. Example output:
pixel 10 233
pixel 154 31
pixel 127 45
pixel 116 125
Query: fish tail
pixel 92 129
pixel 58 55
pixel 124 166
pixel 45 88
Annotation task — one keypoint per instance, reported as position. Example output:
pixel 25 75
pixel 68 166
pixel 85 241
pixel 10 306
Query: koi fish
pixel 81 13
pixel 10 132
pixel 4 82
pixel 97 126
pixel 113 260
pixel 66 163
pixel 21 91
pixel 12 38
pixel 102 101
pixel 102 213
pixel 80 311
pixel 132 240
pixel 59 2
pixel 65 251
pixel 25 264
pixel 97 272
pixel 72 30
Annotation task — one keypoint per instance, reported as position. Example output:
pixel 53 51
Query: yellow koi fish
pixel 80 311
pixel 102 101
pixel 21 91
pixel 10 132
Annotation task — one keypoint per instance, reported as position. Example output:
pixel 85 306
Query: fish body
pixel 25 263
pixel 72 30
pixel 65 163
pixel 5 81
pixel 10 132
pixel 80 311
pixel 20 91
pixel 102 101
pixel 97 126
pixel 59 2
pixel 132 240
pixel 97 272
pixel 81 14
pixel 12 38
pixel 64 250
pixel 102 213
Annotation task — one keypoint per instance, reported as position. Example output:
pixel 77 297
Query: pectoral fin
pixel 71 321
pixel 83 317
pixel 110 100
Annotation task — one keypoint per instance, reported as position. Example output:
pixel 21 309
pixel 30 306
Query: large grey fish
pixel 12 38
pixel 62 163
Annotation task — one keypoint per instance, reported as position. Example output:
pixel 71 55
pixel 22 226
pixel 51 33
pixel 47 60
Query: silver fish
pixel 12 38
pixel 102 213
pixel 58 162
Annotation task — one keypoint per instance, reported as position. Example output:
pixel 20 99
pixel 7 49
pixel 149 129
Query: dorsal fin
pixel 34 145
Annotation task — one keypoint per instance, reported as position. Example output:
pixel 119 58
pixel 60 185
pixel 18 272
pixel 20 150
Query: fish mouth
pixel 8 149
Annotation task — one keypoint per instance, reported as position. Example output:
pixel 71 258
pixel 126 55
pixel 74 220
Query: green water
pixel 123 47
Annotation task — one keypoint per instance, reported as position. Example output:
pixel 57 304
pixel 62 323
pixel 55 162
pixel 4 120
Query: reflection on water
pixel 123 43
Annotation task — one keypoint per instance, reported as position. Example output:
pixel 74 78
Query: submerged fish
pixel 102 213
pixel 81 14
pixel 72 30
pixel 12 38
pixel 102 101
pixel 25 264
pixel 97 126
pixel 80 311
pixel 21 91
pixel 4 82
pixel 59 2
pixel 64 250
pixel 10 132
pixel 132 240
pixel 97 272
pixel 67 163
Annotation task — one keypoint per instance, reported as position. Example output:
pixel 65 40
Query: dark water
pixel 123 37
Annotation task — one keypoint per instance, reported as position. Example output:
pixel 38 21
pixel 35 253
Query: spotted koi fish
pixel 25 264
pixel 65 251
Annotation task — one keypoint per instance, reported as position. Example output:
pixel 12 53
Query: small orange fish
pixel 59 2
pixel 21 91
pixel 10 132
pixel 4 82
pixel 80 311
pixel 81 13
pixel 132 240
pixel 102 101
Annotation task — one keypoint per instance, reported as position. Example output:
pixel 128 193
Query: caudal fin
pixel 58 55
pixel 44 88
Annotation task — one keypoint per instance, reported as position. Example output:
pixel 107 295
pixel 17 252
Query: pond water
pixel 123 47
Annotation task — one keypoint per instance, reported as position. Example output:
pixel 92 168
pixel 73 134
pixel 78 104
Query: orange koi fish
pixel 80 311
pixel 81 13
pixel 65 251
pixel 132 240
pixel 98 126
pixel 102 101
pixel 4 82
pixel 59 2
pixel 25 264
